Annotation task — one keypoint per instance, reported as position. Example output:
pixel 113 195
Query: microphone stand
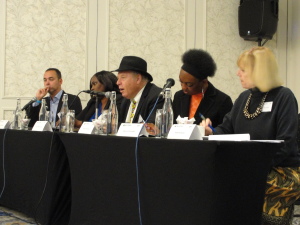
pixel 96 108
pixel 27 109
pixel 69 107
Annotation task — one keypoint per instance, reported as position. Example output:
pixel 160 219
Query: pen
pixel 210 126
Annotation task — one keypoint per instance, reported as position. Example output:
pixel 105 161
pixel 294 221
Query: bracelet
pixel 38 101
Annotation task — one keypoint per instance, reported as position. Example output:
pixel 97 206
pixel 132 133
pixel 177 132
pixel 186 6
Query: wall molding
pixel 2 45
pixel 97 40
pixel 293 48
pixel 195 31
pixel 282 33
pixel 8 110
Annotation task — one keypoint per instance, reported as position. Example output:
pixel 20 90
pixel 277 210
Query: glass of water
pixel 71 120
pixel 24 123
pixel 158 123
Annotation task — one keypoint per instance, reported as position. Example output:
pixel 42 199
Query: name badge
pixel 4 124
pixel 267 107
pixel 87 128
pixel 185 131
pixel 42 126
pixel 132 130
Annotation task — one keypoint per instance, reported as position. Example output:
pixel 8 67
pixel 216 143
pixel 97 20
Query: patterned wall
pixel 151 29
pixel 53 33
pixel 225 44
pixel 155 30
pixel 42 34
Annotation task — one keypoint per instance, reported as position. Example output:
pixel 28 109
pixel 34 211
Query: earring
pixel 202 93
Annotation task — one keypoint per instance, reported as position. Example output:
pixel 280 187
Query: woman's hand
pixel 151 129
pixel 78 123
pixel 207 123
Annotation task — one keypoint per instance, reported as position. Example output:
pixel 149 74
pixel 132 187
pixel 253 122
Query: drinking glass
pixel 158 123
pixel 104 122
pixel 97 125
pixel 71 120
pixel 25 122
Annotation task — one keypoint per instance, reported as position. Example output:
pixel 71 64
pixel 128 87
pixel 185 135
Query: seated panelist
pixel 139 93
pixel 52 85
pixel 267 111
pixel 103 81
pixel 198 95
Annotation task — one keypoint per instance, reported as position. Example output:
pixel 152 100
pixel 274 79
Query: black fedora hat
pixel 134 63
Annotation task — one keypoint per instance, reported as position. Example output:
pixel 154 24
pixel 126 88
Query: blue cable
pixel 46 181
pixel 137 164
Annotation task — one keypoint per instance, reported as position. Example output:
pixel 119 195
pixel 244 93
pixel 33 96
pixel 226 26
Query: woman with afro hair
pixel 198 96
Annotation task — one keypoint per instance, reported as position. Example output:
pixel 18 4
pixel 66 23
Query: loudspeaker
pixel 258 19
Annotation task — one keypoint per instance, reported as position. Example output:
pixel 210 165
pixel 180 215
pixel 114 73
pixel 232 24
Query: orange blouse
pixel 194 104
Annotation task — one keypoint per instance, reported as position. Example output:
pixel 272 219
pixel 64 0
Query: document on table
pixel 229 137
pixel 237 137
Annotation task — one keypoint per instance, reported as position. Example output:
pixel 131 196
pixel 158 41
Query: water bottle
pixel 113 114
pixel 17 116
pixel 167 114
pixel 43 115
pixel 63 126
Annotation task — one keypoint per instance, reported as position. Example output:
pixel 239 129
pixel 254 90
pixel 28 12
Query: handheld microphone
pixel 105 94
pixel 29 103
pixel 169 83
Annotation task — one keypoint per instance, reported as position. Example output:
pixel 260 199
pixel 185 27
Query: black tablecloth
pixel 30 166
pixel 181 182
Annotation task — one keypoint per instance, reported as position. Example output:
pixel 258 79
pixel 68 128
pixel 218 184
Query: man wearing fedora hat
pixel 139 93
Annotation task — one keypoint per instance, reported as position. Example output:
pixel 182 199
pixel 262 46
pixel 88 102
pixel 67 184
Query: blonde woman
pixel 268 111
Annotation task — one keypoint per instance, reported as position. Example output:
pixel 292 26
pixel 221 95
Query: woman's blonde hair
pixel 261 64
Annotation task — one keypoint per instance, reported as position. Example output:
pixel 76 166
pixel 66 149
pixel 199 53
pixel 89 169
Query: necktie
pixel 133 105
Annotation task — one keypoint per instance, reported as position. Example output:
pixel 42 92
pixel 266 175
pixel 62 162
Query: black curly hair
pixel 198 63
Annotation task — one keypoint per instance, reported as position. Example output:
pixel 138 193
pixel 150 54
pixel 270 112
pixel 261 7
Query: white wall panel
pixel 293 47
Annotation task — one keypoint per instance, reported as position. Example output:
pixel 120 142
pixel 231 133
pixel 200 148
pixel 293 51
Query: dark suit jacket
pixel 146 103
pixel 89 110
pixel 215 105
pixel 33 112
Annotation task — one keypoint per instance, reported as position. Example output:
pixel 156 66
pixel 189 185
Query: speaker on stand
pixel 258 20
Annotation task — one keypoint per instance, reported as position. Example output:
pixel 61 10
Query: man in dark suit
pixel 52 85
pixel 139 93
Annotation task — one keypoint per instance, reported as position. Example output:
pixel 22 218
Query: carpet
pixel 11 217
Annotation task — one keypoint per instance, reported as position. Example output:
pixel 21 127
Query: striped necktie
pixel 133 105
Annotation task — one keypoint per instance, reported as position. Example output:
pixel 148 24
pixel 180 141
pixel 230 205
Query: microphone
pixel 169 83
pixel 87 91
pixel 29 103
pixel 105 94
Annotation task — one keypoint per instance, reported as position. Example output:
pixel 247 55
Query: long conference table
pixel 70 178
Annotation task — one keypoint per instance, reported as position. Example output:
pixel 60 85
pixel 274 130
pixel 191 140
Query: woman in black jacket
pixel 102 81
